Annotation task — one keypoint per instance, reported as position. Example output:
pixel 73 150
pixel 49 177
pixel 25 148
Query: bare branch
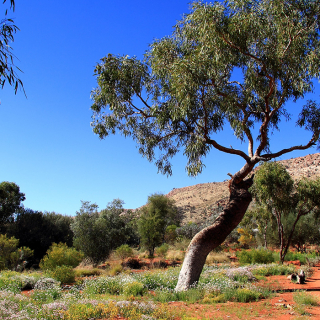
pixel 270 156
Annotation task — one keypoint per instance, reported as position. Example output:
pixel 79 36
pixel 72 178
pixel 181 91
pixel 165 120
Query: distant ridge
pixel 197 202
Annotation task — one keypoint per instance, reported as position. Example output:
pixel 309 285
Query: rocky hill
pixel 198 202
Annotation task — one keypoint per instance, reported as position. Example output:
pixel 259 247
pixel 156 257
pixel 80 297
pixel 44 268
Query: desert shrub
pixel 217 257
pixel 46 284
pixel 175 255
pixel 63 274
pixel 302 257
pixel 46 296
pixel 192 295
pixel 82 272
pixel 273 270
pixel 11 256
pixel 124 251
pixel 182 244
pixel 116 270
pixel 162 250
pixel 60 255
pixel 11 284
pixel 240 274
pixel 255 256
pixel 303 298
pixel 102 285
pixel 242 295
pixel 134 288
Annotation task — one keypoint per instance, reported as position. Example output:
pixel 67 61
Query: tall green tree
pixel 274 188
pixel 239 63
pixel 8 71
pixel 10 201
pixel 159 213
pixel 97 234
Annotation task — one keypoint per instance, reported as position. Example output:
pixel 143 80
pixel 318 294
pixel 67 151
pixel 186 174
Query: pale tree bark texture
pixel 211 237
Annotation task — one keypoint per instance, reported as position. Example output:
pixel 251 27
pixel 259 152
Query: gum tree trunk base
pixel 211 237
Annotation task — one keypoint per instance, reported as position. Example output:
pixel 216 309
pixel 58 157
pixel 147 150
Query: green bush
pixel 302 257
pixel 60 255
pixel 303 298
pixel 11 256
pixel 124 252
pixel 273 270
pixel 64 274
pixel 162 250
pixel 103 285
pixel 255 256
pixel 46 296
pixel 134 288
pixel 87 272
pixel 243 295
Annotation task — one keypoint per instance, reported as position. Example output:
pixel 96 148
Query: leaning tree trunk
pixel 211 237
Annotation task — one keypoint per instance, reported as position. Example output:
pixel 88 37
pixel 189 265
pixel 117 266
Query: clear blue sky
pixel 46 142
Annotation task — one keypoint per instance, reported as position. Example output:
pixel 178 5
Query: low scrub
pixel 61 255
pixel 87 272
pixel 162 250
pixel 302 257
pixel 134 288
pixel 217 257
pixel 175 255
pixel 273 270
pixel 124 251
pixel 63 274
pixel 255 256
pixel 304 298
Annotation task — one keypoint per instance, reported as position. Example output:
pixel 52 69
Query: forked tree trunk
pixel 211 237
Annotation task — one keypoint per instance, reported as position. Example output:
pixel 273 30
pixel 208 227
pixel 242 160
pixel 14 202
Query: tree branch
pixel 270 156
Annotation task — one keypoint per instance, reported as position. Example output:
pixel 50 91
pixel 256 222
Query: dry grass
pixel 175 255
pixel 217 257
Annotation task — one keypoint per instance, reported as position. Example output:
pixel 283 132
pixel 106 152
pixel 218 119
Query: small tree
pixel 124 251
pixel 150 227
pixel 159 213
pixel 97 234
pixel 10 201
pixel 274 188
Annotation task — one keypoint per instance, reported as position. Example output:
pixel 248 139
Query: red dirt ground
pixel 279 307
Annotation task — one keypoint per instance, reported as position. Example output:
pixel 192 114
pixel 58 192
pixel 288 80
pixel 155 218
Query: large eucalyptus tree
pixel 185 91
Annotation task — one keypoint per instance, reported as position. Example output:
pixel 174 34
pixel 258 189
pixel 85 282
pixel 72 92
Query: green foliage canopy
pixel 238 62
pixel 274 188
pixel 10 200
pixel 10 255
pixel 97 234
pixel 159 213
pixel 38 230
